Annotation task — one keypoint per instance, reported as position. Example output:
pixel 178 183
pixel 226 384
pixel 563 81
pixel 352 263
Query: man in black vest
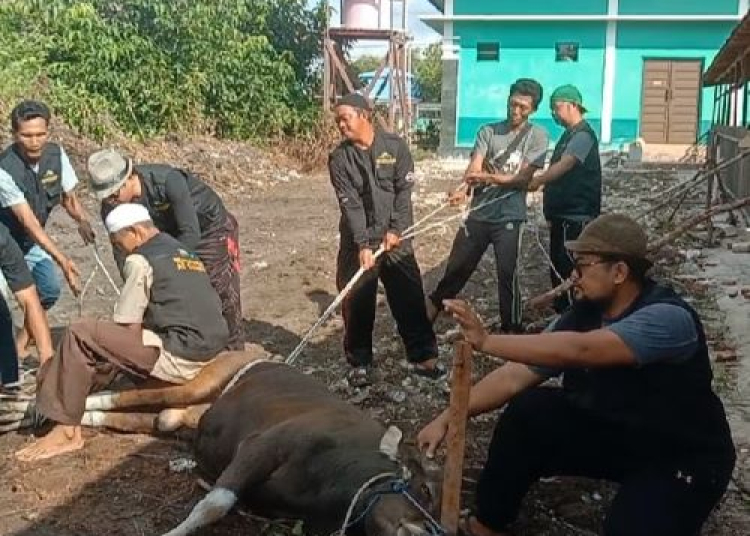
pixel 636 407
pixel 185 207
pixel 371 172
pixel 167 325
pixel 35 177
pixel 572 183
pixel 21 282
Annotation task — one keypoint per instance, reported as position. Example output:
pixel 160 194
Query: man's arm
pixel 491 392
pixel 183 210
pixel 349 201
pixel 575 152
pixel 134 297
pixel 69 181
pixel 21 283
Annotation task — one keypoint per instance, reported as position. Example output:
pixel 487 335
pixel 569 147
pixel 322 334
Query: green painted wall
pixel 682 7
pixel 539 7
pixel 526 50
pixel 638 41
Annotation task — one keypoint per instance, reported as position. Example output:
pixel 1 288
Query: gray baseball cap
pixel 108 171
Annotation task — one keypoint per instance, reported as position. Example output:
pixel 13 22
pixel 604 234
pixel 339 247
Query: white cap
pixel 126 215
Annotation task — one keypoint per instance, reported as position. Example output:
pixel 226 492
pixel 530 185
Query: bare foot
pixel 61 440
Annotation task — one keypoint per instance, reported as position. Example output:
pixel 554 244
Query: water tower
pixel 372 20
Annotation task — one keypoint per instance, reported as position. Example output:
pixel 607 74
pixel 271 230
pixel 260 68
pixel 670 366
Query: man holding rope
pixel 636 407
pixel 167 326
pixel 505 156
pixel 185 207
pixel 572 183
pixel 371 172
pixel 36 176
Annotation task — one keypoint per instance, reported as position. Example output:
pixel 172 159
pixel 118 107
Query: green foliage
pixel 366 63
pixel 428 70
pixel 241 68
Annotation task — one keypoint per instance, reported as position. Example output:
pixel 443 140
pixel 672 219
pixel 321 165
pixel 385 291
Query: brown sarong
pixel 90 356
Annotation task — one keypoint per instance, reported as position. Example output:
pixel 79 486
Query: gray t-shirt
pixel 657 333
pixel 492 141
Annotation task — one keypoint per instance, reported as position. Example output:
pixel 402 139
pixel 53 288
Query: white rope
pixel 357 495
pixel 104 269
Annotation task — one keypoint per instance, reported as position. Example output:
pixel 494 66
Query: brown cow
pixel 280 443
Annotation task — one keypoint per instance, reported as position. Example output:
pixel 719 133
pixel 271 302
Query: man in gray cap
pixel 636 407
pixel 185 207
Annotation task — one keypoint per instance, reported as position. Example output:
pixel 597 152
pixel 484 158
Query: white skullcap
pixel 126 215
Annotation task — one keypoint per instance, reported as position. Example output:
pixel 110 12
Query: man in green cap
pixel 636 407
pixel 572 183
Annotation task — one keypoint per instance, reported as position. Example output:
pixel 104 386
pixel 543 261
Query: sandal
pixel 432 373
pixel 360 376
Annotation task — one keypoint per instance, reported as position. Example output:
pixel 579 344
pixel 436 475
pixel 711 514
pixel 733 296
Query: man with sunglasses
pixel 636 407
pixel 505 156
pixel 184 207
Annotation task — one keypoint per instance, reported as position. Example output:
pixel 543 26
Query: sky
pixel 420 32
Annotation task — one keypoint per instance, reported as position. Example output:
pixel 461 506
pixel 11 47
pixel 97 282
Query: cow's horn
pixel 389 442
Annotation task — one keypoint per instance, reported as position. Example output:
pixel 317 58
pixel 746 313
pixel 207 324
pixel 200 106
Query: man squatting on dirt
pixel 505 156
pixel 21 283
pixel 35 177
pixel 185 207
pixel 371 172
pixel 167 325
pixel 636 407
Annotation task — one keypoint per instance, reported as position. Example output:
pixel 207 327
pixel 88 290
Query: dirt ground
pixel 123 484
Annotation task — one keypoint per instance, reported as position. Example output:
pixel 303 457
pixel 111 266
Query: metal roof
pixel 735 50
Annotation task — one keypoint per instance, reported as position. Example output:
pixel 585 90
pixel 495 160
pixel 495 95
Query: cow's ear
pixel 389 442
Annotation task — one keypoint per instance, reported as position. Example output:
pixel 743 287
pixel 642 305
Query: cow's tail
pixel 211 508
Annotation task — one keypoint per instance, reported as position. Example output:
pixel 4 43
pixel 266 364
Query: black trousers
pixel 8 354
pixel 468 248
pixel 399 272
pixel 541 434
pixel 560 231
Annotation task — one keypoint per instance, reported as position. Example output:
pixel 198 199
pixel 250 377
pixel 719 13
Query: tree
pixel 366 63
pixel 428 71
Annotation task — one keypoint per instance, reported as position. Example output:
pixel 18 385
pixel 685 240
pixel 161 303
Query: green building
pixel 638 63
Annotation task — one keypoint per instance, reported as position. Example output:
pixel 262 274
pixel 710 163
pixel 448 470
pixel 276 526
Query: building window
pixel 488 51
pixel 566 52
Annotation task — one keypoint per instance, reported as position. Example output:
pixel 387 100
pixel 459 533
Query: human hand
pixel 431 436
pixel 87 232
pixel 470 323
pixel 72 275
pixel 534 184
pixel 366 258
pixel 457 197
pixel 391 241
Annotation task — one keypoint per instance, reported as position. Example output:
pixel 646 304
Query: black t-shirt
pixel 12 263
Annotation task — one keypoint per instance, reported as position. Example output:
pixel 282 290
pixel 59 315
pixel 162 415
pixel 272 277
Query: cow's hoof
pixel 169 420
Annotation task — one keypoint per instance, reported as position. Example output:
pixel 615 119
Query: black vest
pixel 212 215
pixel 579 191
pixel 42 189
pixel 668 406
pixel 184 309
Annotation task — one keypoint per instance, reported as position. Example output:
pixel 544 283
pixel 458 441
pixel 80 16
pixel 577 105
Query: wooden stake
pixel 459 413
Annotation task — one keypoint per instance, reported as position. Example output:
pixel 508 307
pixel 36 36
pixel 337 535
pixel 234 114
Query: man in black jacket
pixel 185 207
pixel 371 172
pixel 636 407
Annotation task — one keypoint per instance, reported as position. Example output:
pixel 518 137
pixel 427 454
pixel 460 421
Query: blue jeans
pixel 45 276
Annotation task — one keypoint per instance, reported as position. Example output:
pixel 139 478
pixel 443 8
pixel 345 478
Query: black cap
pixel 355 100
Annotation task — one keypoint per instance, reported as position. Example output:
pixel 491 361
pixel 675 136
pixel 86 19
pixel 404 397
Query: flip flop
pixel 360 376
pixel 433 373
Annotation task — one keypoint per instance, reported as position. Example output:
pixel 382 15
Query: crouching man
pixel 167 325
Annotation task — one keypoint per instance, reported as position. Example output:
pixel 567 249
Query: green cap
pixel 568 93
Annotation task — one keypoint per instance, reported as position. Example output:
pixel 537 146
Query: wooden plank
pixel 456 437
pixel 339 66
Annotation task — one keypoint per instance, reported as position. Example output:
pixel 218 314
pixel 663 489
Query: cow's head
pixel 394 514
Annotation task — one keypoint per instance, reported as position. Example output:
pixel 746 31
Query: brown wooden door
pixel 670 101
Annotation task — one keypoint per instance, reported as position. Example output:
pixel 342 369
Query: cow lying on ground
pixel 280 443
pixel 283 445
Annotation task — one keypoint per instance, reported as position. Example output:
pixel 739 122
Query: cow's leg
pixel 206 386
pixel 170 420
pixel 141 423
pixel 253 462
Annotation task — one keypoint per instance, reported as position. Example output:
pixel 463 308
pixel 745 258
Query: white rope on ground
pixel 104 269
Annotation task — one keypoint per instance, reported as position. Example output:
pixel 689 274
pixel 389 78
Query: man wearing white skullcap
pixel 167 325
